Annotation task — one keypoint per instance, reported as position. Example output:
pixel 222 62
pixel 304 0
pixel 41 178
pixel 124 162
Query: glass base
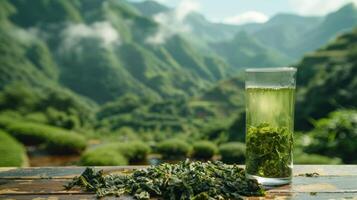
pixel 270 181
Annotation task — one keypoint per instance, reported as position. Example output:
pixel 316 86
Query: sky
pixel 246 11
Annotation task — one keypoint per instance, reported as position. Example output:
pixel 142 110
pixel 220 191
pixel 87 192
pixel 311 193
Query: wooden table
pixel 334 182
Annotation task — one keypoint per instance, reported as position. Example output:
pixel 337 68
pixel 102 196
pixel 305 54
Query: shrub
pixel 106 155
pixel 204 150
pixel 55 140
pixel 232 152
pixel 12 152
pixel 65 143
pixel 131 151
pixel 336 136
pixel 134 151
pixel 5 121
pixel 315 159
pixel 174 148
pixel 29 134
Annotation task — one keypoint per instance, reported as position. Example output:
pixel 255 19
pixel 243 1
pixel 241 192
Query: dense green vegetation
pixel 55 140
pixel 107 68
pixel 336 136
pixel 103 156
pixel 12 152
pixel 327 80
pixel 173 149
pixel 116 153
pixel 204 150
pixel 84 70
pixel 232 152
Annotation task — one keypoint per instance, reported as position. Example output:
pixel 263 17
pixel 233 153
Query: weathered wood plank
pixel 327 170
pixel 70 172
pixel 57 172
pixel 343 184
pixel 334 182
pixel 298 196
pixel 59 197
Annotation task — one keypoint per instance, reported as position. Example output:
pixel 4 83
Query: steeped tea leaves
pixel 269 151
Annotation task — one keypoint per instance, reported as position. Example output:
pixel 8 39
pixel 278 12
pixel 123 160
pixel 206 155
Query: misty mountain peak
pixel 150 7
pixel 348 7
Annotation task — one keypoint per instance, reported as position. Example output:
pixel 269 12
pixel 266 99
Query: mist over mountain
pixel 105 49
pixel 100 49
pixel 289 35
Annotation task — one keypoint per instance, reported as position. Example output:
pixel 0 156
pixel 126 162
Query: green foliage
pixel 124 104
pixel 59 107
pixel 185 180
pixel 325 80
pixel 336 136
pixel 55 140
pixel 6 9
pixel 135 151
pixel 173 149
pixel 65 143
pixel 315 159
pixel 56 11
pixel 204 150
pixel 103 156
pixel 232 152
pixel 122 154
pixel 13 154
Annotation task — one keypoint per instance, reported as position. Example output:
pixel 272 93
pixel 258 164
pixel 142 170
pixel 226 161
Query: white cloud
pixel 100 30
pixel 318 7
pixel 162 1
pixel 172 22
pixel 247 17
pixel 186 7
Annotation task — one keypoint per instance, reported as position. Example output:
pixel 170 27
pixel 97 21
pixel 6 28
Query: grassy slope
pixel 13 153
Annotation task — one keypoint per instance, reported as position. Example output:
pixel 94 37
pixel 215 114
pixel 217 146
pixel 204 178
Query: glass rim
pixel 272 69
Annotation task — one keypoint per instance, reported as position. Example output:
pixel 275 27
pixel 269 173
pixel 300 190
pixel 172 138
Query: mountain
pixel 327 80
pixel 282 31
pixel 29 80
pixel 99 49
pixel 202 29
pixel 150 8
pixel 245 51
pixel 343 20
pixel 287 36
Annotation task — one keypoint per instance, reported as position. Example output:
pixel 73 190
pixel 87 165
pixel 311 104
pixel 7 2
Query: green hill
pixel 282 32
pixel 150 8
pixel 98 49
pixel 343 20
pixel 245 51
pixel 327 80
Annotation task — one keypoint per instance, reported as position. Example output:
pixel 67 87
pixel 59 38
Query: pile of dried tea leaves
pixel 185 180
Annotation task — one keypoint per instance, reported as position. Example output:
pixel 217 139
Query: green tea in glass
pixel 270 99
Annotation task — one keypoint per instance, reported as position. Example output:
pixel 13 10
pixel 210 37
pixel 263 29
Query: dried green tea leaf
pixel 313 174
pixel 185 180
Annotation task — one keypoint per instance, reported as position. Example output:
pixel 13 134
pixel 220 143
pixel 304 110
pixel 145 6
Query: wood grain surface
pixel 334 182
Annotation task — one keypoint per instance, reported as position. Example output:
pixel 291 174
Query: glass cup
pixel 270 99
